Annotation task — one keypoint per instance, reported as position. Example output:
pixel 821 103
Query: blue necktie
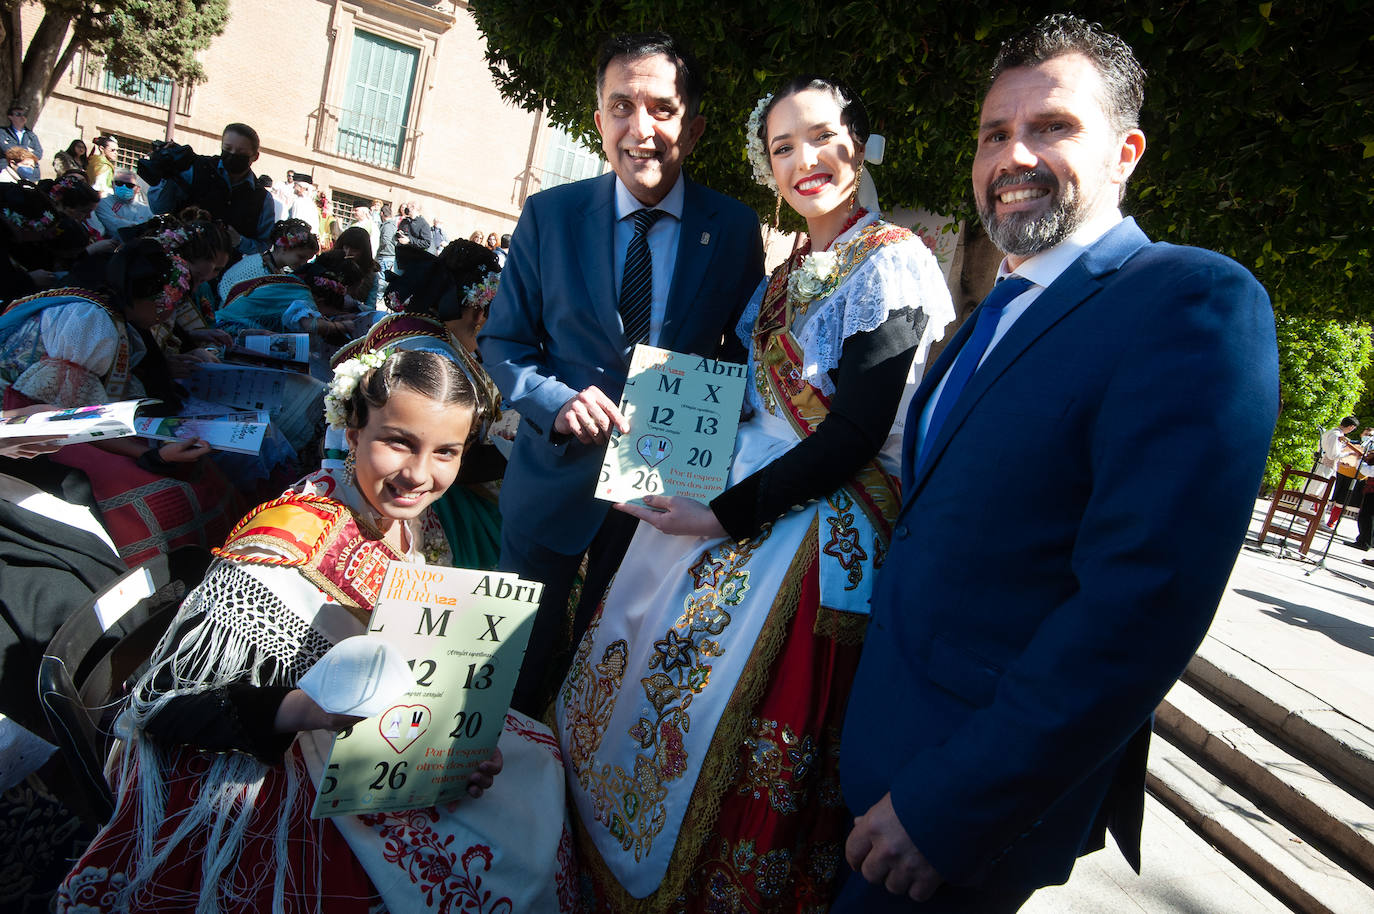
pixel 989 313
pixel 637 282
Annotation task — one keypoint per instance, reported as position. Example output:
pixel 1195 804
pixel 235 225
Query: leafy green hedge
pixel 1321 376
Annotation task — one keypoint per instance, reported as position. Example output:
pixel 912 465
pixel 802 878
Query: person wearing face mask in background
pixel 16 133
pixel 20 165
pixel 122 207
pixel 223 185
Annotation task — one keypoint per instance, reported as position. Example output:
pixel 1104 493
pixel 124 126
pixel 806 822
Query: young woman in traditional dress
pixel 700 721
pixel 77 347
pixel 293 244
pixel 440 303
pixel 216 785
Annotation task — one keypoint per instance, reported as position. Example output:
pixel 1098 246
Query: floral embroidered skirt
pixel 763 829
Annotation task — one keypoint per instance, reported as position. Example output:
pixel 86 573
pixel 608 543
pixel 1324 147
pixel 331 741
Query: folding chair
pixel 82 677
pixel 1303 507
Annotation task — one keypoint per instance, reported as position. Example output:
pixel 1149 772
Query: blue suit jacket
pixel 1026 625
pixel 555 330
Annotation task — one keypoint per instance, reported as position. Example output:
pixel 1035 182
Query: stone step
pixel 1291 715
pixel 1301 793
pixel 1296 872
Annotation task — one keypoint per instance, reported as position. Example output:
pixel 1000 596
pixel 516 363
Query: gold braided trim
pixel 719 771
pixel 304 527
pixel 841 627
pixel 302 524
pixel 65 292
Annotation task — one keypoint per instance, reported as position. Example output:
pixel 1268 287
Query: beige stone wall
pixel 476 159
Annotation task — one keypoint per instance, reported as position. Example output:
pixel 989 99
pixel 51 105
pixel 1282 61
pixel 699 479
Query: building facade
pixel 375 99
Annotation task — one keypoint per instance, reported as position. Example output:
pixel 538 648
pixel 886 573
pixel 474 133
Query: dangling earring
pixel 777 211
pixel 350 465
pixel 858 179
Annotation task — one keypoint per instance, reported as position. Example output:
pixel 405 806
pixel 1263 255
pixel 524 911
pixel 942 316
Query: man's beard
pixel 1026 234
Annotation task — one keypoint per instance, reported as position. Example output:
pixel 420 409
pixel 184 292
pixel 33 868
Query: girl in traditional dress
pixel 447 296
pixel 293 243
pixel 76 347
pixel 216 785
pixel 206 246
pixel 701 718
pixel 310 300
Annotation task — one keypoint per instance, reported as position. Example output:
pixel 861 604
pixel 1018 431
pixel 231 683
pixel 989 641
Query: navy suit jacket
pixel 555 330
pixel 1026 624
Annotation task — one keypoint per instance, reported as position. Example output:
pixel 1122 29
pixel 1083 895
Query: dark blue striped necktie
pixel 637 283
pixel 988 315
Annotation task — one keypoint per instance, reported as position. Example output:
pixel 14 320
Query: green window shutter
pixel 568 160
pixel 381 81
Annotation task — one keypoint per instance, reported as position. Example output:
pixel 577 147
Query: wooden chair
pixel 82 677
pixel 1298 504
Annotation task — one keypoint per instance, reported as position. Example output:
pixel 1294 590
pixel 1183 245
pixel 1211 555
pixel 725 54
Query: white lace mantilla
pixel 896 276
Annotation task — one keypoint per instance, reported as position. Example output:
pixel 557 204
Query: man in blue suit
pixel 640 255
pixel 1021 637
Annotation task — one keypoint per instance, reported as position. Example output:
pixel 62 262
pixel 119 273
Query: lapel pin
pixel 705 237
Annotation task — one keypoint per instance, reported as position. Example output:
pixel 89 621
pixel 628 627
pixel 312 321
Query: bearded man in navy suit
pixel 557 344
pixel 1022 637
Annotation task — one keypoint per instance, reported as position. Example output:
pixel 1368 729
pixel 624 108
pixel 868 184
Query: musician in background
pixel 1339 457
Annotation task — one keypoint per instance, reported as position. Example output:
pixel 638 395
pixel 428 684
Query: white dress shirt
pixel 1041 269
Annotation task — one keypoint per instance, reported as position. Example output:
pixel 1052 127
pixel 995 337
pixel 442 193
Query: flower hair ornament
pixel 45 221
pixel 874 147
pixel 328 284
pixel 480 294
pixel 63 186
pixel 347 374
pixel 176 290
pixel 172 239
pixel 758 155
pixel 294 239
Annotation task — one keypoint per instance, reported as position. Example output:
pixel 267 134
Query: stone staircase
pixel 1278 780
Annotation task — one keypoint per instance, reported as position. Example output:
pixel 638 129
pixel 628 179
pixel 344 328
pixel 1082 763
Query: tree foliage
pixel 134 39
pixel 1321 368
pixel 1261 138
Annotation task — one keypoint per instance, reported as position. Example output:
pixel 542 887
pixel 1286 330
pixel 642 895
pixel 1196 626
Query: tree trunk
pixel 63 63
pixel 41 63
pixel 977 263
pixel 11 51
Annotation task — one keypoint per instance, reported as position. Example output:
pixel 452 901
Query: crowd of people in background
pixel 113 296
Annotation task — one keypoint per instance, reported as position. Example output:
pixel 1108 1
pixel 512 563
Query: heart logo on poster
pixel 654 449
pixel 402 725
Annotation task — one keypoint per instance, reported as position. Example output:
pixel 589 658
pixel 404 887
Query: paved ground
pixel 1313 625
pixel 1179 872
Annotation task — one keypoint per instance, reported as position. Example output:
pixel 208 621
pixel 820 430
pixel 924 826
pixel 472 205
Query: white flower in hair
pixel 345 381
pixel 758 154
